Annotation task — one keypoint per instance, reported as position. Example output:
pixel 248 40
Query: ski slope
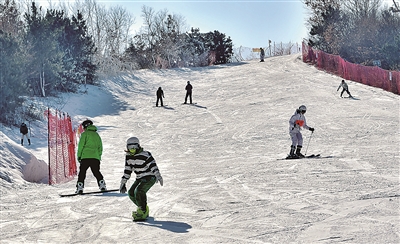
pixel 218 157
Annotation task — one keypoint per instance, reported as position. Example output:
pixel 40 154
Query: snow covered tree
pixel 41 40
pixel 194 52
pixel 12 76
pixel 10 18
pixel 357 30
pixel 389 28
pixel 220 44
pixel 61 49
pixel 79 50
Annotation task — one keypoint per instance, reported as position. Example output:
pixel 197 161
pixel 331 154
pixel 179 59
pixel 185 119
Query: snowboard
pixel 87 193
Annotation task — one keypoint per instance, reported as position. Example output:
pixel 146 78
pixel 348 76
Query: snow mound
pixel 18 165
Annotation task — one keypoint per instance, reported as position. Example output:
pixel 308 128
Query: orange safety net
pixel 367 75
pixel 61 147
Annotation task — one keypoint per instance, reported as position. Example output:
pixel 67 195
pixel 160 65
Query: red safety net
pixel 61 147
pixel 368 75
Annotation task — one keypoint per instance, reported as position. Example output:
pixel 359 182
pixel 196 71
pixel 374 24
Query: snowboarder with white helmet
pixel 296 122
pixel 147 174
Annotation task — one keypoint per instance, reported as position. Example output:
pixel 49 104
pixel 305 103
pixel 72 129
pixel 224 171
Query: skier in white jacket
pixel 296 122
pixel 345 89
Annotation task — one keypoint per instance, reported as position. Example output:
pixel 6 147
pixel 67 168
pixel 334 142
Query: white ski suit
pixel 296 122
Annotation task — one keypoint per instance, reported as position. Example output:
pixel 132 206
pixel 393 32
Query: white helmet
pixel 302 108
pixel 132 142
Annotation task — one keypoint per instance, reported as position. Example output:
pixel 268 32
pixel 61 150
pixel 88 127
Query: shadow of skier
pixel 177 227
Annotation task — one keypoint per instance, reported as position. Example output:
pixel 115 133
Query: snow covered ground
pixel 222 180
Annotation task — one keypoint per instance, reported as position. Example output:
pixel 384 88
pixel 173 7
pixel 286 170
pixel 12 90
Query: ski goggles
pixel 132 145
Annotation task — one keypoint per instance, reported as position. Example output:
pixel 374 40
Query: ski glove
pixel 311 129
pixel 122 188
pixel 159 178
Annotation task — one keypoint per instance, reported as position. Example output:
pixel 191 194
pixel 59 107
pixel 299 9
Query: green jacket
pixel 90 145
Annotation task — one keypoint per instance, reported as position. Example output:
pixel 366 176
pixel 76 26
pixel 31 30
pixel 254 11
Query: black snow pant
pixel 188 94
pixel 341 94
pixel 159 99
pixel 94 165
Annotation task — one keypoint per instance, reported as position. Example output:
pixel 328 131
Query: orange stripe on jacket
pixel 299 122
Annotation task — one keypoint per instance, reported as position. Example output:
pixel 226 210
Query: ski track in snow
pixel 222 182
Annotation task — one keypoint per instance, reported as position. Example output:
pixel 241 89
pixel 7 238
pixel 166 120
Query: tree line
pixel 360 31
pixel 44 52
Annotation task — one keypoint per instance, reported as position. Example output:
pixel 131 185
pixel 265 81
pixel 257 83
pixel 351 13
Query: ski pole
pixel 309 142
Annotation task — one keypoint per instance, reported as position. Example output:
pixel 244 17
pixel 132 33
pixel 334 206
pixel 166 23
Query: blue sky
pixel 248 23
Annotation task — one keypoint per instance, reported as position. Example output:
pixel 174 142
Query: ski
pixel 307 156
pixel 87 193
pixel 312 156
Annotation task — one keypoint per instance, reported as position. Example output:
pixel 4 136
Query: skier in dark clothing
pixel 262 54
pixel 24 131
pixel 90 149
pixel 345 88
pixel 160 95
pixel 188 89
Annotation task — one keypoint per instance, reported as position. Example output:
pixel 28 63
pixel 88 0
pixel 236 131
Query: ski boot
pixel 292 155
pixel 79 188
pixel 102 185
pixel 298 153
pixel 140 215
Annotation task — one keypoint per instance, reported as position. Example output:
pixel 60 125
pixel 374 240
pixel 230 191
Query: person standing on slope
pixel 147 174
pixel 188 89
pixel 296 122
pixel 160 95
pixel 24 132
pixel 345 88
pixel 262 54
pixel 90 149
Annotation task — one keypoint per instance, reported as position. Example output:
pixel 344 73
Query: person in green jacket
pixel 90 148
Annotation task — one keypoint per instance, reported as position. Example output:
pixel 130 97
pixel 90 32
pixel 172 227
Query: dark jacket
pixel 189 88
pixel 160 92
pixel 23 129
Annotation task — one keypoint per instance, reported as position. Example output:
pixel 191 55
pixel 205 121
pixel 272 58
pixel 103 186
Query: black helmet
pixel 302 109
pixel 86 123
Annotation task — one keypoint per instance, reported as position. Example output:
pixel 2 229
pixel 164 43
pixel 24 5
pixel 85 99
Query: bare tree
pixel 163 35
pixel 117 27
pixel 395 8
pixel 359 9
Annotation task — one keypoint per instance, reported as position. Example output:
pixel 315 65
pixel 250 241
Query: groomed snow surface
pixel 218 157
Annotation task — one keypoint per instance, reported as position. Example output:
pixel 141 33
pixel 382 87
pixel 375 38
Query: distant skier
pixel 160 95
pixel 90 149
pixel 262 54
pixel 296 122
pixel 345 88
pixel 188 89
pixel 147 174
pixel 24 132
